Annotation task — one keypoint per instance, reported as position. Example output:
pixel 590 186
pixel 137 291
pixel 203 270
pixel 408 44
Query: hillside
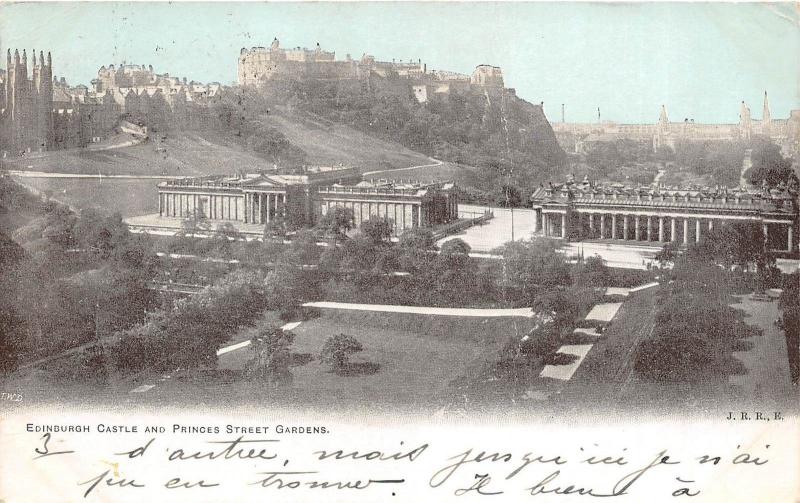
pixel 213 152
pixel 327 142
pixel 488 137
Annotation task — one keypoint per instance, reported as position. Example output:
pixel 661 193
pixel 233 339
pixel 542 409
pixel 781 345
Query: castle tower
pixel 660 138
pixel 766 119
pixel 745 126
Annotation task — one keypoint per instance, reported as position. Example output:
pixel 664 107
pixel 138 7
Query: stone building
pixel 39 111
pixel 303 198
pixel 406 204
pixel 259 65
pixel 26 103
pixel 662 214
pixel 155 99
pixel 665 133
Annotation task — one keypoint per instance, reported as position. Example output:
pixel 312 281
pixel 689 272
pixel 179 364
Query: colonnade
pixel 403 215
pixel 647 228
pixel 211 206
pixel 263 207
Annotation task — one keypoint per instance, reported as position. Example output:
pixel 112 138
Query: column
pixel 710 225
pixel 591 222
pixel 686 231
pixel 563 226
pixel 790 233
pixel 614 226
pixel 268 198
pixel 637 223
pixel 602 226
pixel 160 204
pixel 697 231
pixel 661 229
pixel 672 234
pixel 649 228
pixel 624 227
pixel 535 221
pixel 766 236
pixel 419 215
pixel 253 206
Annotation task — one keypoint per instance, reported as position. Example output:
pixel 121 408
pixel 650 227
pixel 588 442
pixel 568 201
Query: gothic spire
pixel 765 117
pixel 663 116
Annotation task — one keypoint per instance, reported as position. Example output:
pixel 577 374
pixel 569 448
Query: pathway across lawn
pixel 525 312
pixel 565 372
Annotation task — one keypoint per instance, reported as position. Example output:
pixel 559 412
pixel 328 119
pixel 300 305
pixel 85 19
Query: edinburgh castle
pixel 259 65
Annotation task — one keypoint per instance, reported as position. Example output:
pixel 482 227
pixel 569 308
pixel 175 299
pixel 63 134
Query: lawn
pixel 418 357
pixel 128 197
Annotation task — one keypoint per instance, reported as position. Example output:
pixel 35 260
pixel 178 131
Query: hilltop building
pixel 662 214
pixel 664 133
pixel 303 198
pixel 39 111
pixel 259 65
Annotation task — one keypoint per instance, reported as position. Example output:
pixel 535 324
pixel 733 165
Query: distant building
pixel 39 111
pixel 259 65
pixel 26 103
pixel 303 198
pixel 664 133
pixel 662 214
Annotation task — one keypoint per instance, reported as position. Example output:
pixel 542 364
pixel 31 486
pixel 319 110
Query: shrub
pixel 673 358
pixel 337 351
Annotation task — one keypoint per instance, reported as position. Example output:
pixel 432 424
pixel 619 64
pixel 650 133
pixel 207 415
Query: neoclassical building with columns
pixel 661 214
pixel 303 198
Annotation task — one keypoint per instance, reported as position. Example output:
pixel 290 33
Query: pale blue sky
pixel 700 60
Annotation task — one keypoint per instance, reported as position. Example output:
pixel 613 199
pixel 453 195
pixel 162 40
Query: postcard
pixel 399 251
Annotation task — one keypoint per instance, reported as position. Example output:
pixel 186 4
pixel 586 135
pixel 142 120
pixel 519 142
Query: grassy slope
pixel 209 152
pixel 329 143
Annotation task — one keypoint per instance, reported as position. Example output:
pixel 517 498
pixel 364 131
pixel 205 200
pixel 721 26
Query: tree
pixel 592 272
pixel 534 265
pixel 455 247
pixel 418 238
pixel 509 197
pixel 769 166
pixel 337 222
pixel 337 351
pixel 667 254
pixel 271 357
pixel 378 230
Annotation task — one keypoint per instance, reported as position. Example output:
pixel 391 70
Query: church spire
pixel 765 117
pixel 663 116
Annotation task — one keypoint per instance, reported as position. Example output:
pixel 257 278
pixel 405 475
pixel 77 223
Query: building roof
pixel 702 198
